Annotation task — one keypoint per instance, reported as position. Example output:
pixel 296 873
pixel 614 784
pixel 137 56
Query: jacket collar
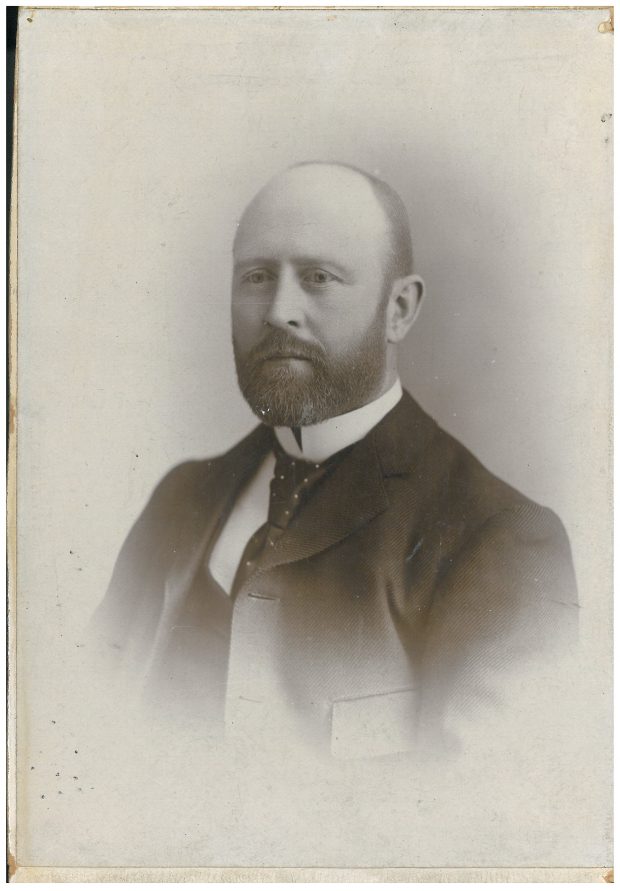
pixel 402 436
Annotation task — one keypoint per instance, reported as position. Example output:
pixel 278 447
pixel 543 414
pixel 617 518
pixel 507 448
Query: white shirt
pixel 319 442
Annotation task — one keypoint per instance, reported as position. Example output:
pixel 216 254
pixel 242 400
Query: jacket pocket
pixel 374 725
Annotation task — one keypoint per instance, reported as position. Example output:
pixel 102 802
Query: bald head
pixel 350 197
pixel 399 258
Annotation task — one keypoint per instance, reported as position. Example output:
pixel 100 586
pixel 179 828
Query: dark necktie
pixel 292 481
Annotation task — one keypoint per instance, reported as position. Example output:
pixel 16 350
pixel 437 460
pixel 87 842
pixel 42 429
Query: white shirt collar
pixel 321 441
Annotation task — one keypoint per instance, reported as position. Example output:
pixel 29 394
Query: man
pixel 348 574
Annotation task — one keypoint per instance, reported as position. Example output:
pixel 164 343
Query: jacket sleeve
pixel 130 609
pixel 502 632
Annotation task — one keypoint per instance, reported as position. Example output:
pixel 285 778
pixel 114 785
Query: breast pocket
pixel 375 725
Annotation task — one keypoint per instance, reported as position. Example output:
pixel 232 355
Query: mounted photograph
pixel 310 482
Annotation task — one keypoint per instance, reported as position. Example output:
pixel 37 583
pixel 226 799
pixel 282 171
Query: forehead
pixel 314 213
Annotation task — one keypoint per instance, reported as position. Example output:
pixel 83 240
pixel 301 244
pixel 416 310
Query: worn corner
pixel 11 866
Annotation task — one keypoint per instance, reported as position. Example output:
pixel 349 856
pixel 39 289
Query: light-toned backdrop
pixel 142 135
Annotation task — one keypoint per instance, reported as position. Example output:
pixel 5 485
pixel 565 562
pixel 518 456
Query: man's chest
pixel 315 647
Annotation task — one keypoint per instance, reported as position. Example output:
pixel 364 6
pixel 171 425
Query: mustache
pixel 277 344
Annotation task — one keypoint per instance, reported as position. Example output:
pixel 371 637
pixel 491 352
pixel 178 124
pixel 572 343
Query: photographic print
pixel 311 318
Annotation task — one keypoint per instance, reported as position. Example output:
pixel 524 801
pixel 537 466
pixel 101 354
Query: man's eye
pixel 256 277
pixel 319 277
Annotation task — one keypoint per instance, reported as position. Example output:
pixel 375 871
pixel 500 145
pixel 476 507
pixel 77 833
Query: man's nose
pixel 287 306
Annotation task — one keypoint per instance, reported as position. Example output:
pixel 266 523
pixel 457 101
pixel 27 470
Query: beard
pixel 315 385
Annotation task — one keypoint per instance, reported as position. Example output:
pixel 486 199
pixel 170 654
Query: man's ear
pixel 403 306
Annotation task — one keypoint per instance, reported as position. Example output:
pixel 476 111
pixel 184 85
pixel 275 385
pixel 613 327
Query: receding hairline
pixel 399 260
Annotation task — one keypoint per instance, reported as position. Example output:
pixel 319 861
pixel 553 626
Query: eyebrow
pixel 322 261
pixel 297 261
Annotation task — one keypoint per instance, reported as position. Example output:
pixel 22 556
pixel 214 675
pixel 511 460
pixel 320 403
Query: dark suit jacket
pixel 409 586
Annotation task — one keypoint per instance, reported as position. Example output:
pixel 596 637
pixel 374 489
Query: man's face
pixel 308 297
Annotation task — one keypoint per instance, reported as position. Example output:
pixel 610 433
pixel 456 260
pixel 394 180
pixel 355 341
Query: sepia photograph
pixel 310 481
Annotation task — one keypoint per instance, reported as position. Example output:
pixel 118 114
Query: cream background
pixel 142 135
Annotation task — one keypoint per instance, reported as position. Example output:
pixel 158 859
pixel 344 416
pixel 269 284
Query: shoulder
pixel 187 496
pixel 504 525
pixel 519 547
pixel 460 479
pixel 180 506
pixel 191 480
pixel 510 564
pixel 182 480
pixel 493 536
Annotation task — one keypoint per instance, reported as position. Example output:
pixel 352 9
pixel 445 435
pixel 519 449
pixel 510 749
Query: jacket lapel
pixel 348 499
pixel 209 511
